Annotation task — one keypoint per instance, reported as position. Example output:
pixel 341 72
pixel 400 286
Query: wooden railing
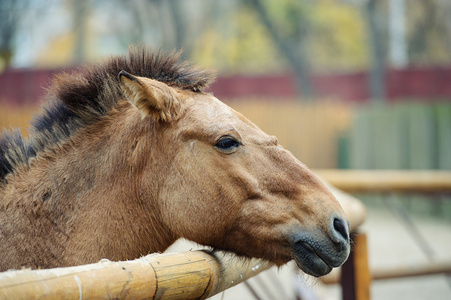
pixel 187 275
pixel 388 180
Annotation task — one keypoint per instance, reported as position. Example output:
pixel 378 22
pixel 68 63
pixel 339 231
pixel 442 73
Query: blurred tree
pixel 233 36
pixel 187 23
pixel 130 22
pixel 80 14
pixel 314 36
pixel 166 24
pixel 10 12
pixel 235 41
pixel 338 42
pixel 292 38
pixel 375 23
pixel 398 45
pixel 429 32
pixel 428 36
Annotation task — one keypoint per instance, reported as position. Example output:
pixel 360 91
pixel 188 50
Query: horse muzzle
pixel 316 253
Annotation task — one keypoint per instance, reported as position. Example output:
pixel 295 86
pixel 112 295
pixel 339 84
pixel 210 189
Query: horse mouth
pixel 309 261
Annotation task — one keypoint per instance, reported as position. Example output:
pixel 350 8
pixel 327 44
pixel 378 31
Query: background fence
pixel 400 136
pixel 309 130
pixel 330 134
pixel 405 135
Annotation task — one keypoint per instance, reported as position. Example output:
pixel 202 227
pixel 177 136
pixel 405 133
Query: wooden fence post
pixel 355 277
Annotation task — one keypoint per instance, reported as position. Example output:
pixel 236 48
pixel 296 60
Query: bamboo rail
pixel 188 275
pixel 388 180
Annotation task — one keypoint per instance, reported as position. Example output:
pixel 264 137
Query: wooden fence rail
pixel 187 275
pixel 388 180
pixel 411 270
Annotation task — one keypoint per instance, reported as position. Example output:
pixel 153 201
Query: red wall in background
pixel 421 83
pixel 21 86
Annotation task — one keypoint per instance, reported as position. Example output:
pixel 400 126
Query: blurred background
pixel 343 84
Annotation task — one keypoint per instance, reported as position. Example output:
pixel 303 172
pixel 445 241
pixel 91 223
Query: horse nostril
pixel 340 229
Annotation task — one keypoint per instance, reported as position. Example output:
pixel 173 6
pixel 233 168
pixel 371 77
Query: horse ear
pixel 151 97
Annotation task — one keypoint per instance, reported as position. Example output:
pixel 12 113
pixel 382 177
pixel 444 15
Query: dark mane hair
pixel 82 97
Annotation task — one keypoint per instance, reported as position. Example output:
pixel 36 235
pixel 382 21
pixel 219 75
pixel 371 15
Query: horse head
pixel 229 185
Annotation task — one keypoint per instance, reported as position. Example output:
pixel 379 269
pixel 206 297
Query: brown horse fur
pixel 119 168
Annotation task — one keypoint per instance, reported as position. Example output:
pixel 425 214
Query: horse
pixel 131 154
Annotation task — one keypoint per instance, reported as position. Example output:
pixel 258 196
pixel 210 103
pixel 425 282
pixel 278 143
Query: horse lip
pixel 308 260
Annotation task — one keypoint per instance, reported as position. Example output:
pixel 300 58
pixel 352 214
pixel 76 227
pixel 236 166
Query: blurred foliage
pixel 429 32
pixel 336 37
pixel 335 31
pixel 339 37
pixel 9 17
pixel 223 34
pixel 241 48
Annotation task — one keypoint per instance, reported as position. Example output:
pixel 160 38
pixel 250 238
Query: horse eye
pixel 227 143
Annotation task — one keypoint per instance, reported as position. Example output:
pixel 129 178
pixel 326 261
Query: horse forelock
pixel 83 96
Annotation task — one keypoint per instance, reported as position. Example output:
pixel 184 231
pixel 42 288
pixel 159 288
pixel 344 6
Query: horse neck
pixel 93 191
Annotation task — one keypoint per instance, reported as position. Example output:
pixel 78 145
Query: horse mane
pixel 82 97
